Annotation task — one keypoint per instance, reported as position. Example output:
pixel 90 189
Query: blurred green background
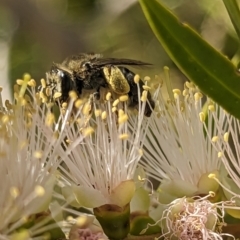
pixel 35 33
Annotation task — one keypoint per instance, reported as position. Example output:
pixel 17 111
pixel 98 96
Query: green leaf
pixel 234 14
pixel 215 75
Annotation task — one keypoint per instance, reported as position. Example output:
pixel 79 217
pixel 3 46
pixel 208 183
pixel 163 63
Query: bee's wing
pixel 100 62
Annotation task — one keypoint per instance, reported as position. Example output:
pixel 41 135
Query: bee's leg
pixel 97 94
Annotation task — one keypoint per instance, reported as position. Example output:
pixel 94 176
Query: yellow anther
pixel 197 96
pixel 64 105
pixel 124 136
pixel 57 95
pixel 212 194
pixel 5 119
pixel 140 151
pixel 14 191
pixel 145 87
pixel 211 108
pixel 81 221
pixel 226 136
pixel 123 98
pixel 120 112
pixel 97 112
pixel 211 175
pixel 176 91
pixel 39 190
pixel 123 119
pixel 32 83
pixel 144 96
pixel 202 116
pixel 185 92
pixel 146 79
pixel 87 131
pixel 116 102
pixel 48 91
pixel 50 119
pixel 108 96
pixel 19 82
pixel 86 109
pixel 104 115
pixel 215 139
pixel 114 109
pixel 220 154
pixel 43 83
pixel 136 78
pixel 73 95
pixel 38 154
pixel 189 84
pixel 78 103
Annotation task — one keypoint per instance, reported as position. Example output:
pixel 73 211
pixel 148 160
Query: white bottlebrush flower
pixel 103 153
pixel 177 152
pixel 27 163
pixel 227 143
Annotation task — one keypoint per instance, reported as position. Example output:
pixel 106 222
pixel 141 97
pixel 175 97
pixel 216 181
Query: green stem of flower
pixel 114 220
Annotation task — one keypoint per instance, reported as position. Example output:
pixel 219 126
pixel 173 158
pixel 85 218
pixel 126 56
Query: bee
pixel 85 72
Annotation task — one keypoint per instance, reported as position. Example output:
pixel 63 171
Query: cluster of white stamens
pixel 194 218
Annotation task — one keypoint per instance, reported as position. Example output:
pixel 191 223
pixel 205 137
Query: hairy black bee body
pixel 91 72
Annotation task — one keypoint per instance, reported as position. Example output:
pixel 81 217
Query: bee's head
pixel 59 82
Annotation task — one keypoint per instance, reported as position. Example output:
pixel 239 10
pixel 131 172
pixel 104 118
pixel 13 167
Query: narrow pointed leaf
pixel 206 67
